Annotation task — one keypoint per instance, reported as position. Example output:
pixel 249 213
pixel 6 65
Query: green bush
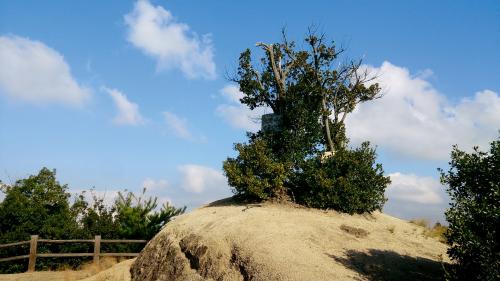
pixel 473 182
pixel 349 181
pixel 255 174
pixel 40 205
pixel 137 217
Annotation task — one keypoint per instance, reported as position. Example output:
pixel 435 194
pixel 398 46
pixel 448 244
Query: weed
pixel 358 232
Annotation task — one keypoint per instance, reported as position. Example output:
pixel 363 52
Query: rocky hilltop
pixel 225 241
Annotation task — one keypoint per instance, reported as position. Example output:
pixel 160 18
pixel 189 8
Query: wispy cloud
pixel 156 32
pixel 128 112
pixel 33 72
pixel 154 185
pixel 177 125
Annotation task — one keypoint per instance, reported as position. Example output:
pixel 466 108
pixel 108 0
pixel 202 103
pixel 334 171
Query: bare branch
pixel 277 73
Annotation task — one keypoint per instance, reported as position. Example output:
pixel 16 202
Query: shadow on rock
pixel 390 265
pixel 234 201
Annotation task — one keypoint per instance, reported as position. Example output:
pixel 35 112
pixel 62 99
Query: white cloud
pixel 154 185
pixel 157 33
pixel 177 124
pixel 232 93
pixel 128 112
pixel 416 120
pixel 198 179
pixel 33 72
pixel 236 114
pixel 411 188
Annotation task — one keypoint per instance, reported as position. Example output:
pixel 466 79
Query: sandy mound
pixel 275 242
pixel 118 272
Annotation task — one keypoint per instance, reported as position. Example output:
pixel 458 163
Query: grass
pixel 391 229
pixel 358 232
pixel 437 231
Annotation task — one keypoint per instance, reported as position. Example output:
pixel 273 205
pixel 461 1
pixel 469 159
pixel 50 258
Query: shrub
pixel 349 181
pixel 255 174
pixel 356 231
pixel 473 181
pixel 138 218
pixel 438 231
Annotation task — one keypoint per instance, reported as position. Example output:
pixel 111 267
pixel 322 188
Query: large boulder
pixel 223 241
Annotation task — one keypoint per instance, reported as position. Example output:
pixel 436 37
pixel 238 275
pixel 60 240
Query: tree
pixel 473 181
pixel 40 205
pixel 315 75
pixel 137 215
pixel 36 205
pixel 310 95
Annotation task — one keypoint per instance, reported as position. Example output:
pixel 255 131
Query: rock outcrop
pixel 223 241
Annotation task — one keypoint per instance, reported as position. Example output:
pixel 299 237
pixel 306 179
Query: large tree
pixel 310 93
pixel 335 87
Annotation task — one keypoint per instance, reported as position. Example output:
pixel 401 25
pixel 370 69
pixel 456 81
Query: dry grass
pixel 437 231
pixel 358 232
pixel 421 222
pixel 65 274
pixel 391 229
pixel 118 272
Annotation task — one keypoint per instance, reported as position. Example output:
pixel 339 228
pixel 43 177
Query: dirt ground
pixel 224 241
pixel 109 271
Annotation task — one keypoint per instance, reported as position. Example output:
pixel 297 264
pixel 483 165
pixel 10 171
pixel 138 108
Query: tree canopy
pixel 310 93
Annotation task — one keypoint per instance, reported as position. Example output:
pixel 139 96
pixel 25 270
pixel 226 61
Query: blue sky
pixel 124 94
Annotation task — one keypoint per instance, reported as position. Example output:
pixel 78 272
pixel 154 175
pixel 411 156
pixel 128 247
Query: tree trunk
pixel 326 123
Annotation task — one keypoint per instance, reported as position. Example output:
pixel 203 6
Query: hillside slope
pixel 222 241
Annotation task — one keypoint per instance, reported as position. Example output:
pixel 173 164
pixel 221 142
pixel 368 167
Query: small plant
pixel 420 222
pixel 391 229
pixel 437 231
pixel 358 232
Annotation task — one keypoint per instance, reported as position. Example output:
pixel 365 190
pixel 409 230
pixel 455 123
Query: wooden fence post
pixel 32 258
pixel 97 249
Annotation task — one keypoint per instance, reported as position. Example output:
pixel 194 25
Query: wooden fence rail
pixel 96 254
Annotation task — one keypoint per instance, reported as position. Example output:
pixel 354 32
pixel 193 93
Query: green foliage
pixel 349 182
pixel 95 218
pixel 254 174
pixel 473 182
pixel 136 217
pixel 35 205
pixel 311 93
pixel 40 205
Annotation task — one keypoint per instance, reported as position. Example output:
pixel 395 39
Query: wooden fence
pixel 96 254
